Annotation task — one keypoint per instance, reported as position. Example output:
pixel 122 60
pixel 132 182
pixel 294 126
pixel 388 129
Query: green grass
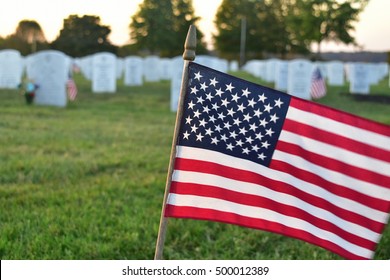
pixel 87 181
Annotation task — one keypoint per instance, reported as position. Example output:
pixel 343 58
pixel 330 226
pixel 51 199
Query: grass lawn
pixel 87 181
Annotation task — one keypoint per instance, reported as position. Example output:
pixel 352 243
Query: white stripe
pixel 261 191
pixel 220 158
pixel 343 155
pixel 266 214
pixel 370 138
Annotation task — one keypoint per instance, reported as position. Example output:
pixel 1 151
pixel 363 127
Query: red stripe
pixel 339 116
pixel 251 177
pixel 336 140
pixel 231 218
pixel 341 167
pixel 263 202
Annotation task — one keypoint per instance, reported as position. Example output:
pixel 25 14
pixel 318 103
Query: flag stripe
pixel 270 216
pixel 337 140
pixel 343 155
pixel 294 185
pixel 259 196
pixel 232 218
pixel 332 120
pixel 336 165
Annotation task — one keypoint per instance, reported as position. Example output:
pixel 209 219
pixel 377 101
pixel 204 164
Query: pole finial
pixel 190 44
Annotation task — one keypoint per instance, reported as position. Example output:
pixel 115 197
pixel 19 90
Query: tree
pixel 160 27
pixel 31 32
pixel 228 22
pixel 315 21
pixel 151 26
pixel 81 36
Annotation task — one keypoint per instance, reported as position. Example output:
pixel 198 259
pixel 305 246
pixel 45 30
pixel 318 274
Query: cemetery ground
pixel 87 181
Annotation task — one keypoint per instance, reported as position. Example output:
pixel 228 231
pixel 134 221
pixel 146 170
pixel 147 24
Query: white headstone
pixel 233 66
pixel 176 78
pixel 270 70
pixel 166 69
pixel 133 71
pixel 151 68
pixel 299 78
pixel 359 78
pixel 335 71
pixel 11 68
pixel 86 66
pixel 119 67
pixel 281 75
pixel 104 73
pixel 49 69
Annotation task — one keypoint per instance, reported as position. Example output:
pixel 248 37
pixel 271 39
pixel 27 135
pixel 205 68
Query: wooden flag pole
pixel 188 55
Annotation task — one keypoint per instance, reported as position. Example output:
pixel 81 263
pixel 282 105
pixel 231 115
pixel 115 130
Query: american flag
pixel 255 157
pixel 71 89
pixel 318 86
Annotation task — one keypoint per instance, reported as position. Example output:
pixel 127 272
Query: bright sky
pixel 372 31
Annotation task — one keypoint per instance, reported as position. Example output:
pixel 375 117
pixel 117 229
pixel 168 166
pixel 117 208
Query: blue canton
pixel 232 116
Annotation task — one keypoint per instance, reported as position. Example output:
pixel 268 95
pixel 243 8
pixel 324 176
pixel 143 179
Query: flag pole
pixel 188 55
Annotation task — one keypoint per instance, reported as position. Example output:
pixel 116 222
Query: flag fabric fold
pixel 256 157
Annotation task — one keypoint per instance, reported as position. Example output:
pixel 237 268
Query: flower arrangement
pixel 28 89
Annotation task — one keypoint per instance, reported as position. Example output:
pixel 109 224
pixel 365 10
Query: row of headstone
pixel 11 68
pixel 294 77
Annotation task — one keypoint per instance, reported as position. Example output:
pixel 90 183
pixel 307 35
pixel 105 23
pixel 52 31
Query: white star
pixel 233 134
pixel 241 107
pixel 198 76
pixel 197 114
pixel 262 98
pixel 206 109
pixel 203 86
pixel 235 97
pixel 263 122
pixel 185 135
pixel 218 128
pixel 237 121
pixel 200 100
pixel 194 90
pixel 224 138
pixel 199 137
pixel 251 102
pixel 227 125
pixel 278 103
pixel 214 141
pixel 221 116
pixel 209 131
pixel 191 105
pixel 213 82
pixel 243 131
pixel 274 118
pixel 261 156
pixel 215 106
pixel 219 92
pixel 239 143
pixel 202 123
pixel 265 144
pixel 209 96
pixel 249 140
pixel 212 119
pixel 269 132
pixel 268 108
pixel 229 147
pixel 245 92
pixel 188 120
pixel 255 148
pixel 245 151
pixel 225 102
pixel 231 112
pixel 259 136
pixel 247 117
pixel 253 126
pixel 257 113
pixel 194 128
pixel 229 87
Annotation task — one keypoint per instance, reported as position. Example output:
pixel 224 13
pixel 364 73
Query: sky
pixel 372 31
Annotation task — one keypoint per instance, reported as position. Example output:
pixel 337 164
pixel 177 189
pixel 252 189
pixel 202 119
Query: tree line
pixel 253 27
